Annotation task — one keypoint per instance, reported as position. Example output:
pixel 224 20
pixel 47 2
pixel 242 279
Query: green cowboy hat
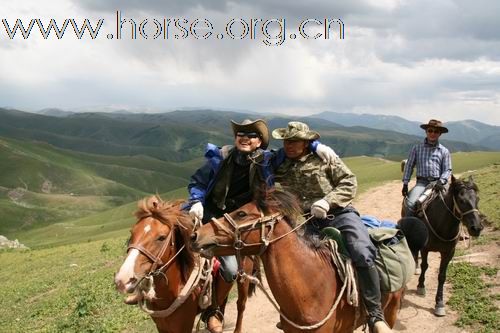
pixel 295 131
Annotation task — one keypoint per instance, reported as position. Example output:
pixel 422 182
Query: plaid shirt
pixel 430 160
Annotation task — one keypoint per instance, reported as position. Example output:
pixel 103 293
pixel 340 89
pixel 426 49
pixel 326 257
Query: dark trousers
pixel 354 233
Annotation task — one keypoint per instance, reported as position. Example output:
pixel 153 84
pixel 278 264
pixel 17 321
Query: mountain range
pixel 470 131
pixel 181 135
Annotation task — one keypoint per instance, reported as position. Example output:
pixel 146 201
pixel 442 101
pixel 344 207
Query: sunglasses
pixel 251 135
pixel 433 130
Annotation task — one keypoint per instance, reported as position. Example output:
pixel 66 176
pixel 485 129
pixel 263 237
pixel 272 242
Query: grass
pixel 65 283
pixel 111 223
pixel 66 289
pixel 488 180
pixel 470 296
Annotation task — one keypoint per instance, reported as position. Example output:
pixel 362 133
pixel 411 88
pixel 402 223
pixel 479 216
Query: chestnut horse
pixel 159 267
pixel 442 216
pixel 299 269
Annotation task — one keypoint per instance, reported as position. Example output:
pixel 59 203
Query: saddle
pixel 394 259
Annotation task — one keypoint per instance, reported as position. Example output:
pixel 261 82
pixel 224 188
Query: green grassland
pixel 42 185
pixel 69 288
pixel 66 289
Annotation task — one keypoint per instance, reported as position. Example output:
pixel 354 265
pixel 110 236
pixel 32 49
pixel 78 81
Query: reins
pixel 271 220
pixel 452 212
pixel 201 271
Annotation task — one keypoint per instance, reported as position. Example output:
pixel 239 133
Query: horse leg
pixel 243 286
pixel 445 260
pixel 417 268
pixel 421 280
pixel 392 305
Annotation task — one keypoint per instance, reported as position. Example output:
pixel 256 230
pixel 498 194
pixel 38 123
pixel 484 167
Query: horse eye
pixel 161 238
pixel 241 214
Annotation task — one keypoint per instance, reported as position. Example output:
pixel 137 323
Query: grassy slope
pixel 43 293
pixel 40 184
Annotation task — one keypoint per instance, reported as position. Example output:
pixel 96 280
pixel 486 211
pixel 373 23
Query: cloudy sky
pixel 415 59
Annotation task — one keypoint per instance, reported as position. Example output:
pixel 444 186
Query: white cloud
pixel 413 59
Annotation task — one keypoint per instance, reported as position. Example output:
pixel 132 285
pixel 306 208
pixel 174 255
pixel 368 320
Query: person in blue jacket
pixel 227 181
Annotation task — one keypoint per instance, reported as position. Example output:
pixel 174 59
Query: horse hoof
pixel 421 291
pixel 418 271
pixel 440 311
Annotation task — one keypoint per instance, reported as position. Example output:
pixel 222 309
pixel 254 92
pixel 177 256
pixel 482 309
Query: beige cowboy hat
pixel 295 131
pixel 248 126
pixel 436 124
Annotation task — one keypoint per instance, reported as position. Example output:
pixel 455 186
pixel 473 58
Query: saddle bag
pixel 394 260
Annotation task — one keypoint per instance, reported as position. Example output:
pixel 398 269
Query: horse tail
pixel 257 273
pixel 415 231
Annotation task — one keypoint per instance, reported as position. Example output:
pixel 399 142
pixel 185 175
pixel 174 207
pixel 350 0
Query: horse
pixel 442 216
pixel 299 269
pixel 164 272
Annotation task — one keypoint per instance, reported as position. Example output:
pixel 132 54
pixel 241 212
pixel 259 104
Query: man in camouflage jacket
pixel 326 190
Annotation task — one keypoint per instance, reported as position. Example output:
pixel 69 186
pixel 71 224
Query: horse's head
pixel 465 200
pixel 246 229
pixel 156 240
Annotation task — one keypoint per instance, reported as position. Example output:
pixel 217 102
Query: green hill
pixel 182 135
pixel 117 221
pixel 40 184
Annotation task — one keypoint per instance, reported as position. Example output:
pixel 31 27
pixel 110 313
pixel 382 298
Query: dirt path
pixel 416 314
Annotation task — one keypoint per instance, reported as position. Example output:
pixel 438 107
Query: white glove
pixel 326 153
pixel 196 211
pixel 320 209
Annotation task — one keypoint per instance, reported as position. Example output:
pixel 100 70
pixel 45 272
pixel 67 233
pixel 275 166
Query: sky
pixel 415 59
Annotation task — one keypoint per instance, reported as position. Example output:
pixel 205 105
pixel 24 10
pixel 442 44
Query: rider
pixel 227 181
pixel 326 190
pixel 433 162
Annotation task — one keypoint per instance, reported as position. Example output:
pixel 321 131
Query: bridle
pixel 156 259
pixel 200 273
pixel 455 209
pixel 262 222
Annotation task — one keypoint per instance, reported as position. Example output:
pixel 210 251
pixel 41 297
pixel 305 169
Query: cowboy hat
pixel 248 126
pixel 295 131
pixel 436 124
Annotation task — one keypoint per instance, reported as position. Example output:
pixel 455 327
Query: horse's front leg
pixel 446 257
pixel 421 280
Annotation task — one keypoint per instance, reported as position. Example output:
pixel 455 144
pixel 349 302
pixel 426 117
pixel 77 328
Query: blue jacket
pixel 203 180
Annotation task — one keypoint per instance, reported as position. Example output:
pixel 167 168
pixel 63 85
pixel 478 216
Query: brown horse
pixel 159 268
pixel 299 269
pixel 442 216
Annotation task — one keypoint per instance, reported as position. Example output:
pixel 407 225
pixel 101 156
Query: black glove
pixel 439 186
pixel 404 191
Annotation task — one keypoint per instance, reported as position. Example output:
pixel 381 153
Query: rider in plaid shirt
pixel 433 162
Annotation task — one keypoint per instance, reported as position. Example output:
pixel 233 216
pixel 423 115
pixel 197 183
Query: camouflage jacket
pixel 310 179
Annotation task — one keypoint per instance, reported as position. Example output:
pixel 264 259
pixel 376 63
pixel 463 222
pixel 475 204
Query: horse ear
pixel 471 179
pixel 453 179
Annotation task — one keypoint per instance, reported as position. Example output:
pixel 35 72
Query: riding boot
pixel 215 313
pixel 369 285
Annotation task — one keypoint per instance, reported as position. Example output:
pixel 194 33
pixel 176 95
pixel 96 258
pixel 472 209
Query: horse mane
pixel 171 214
pixel 279 200
pixel 459 184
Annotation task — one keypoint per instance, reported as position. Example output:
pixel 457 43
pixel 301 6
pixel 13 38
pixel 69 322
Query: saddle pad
pixel 394 260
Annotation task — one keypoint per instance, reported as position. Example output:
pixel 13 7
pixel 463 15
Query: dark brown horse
pixel 299 269
pixel 161 269
pixel 442 216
